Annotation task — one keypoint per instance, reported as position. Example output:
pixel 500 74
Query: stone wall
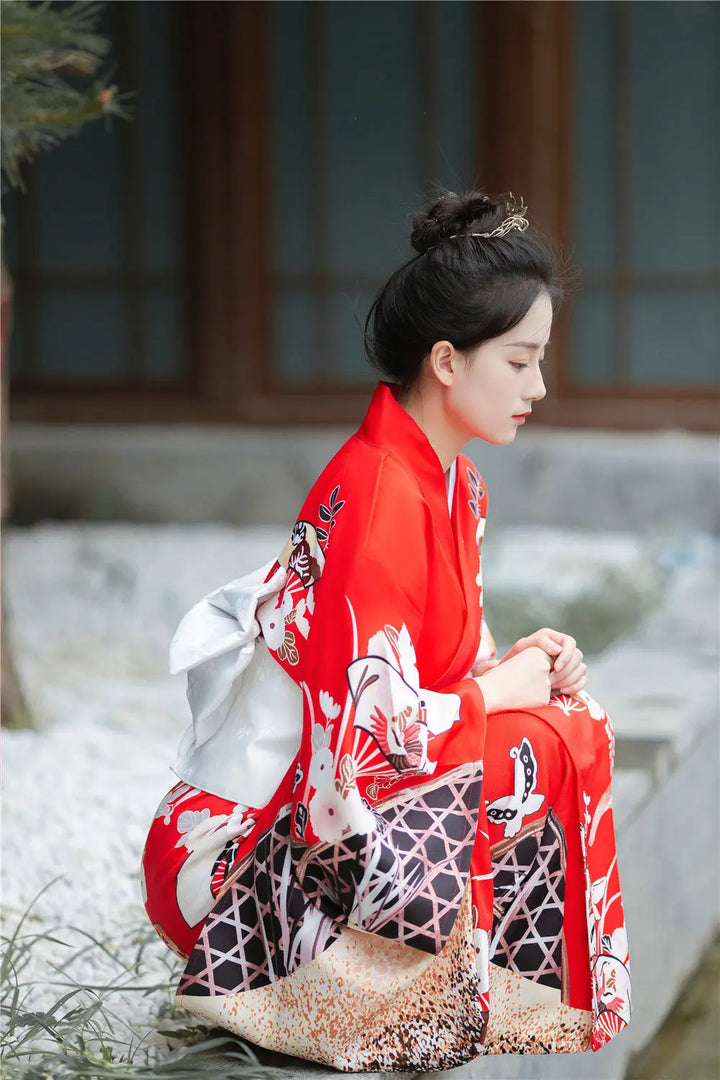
pixel 660 483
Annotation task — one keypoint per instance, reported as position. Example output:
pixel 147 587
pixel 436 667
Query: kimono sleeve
pixel 387 787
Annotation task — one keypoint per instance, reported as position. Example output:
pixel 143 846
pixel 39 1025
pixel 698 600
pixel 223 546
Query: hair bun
pixel 451 215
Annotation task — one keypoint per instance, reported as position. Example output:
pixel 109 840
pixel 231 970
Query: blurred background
pixel 210 262
pixel 183 304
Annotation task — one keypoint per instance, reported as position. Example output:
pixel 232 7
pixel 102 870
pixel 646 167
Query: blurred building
pixel 211 262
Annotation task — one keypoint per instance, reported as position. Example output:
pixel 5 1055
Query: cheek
pixel 475 407
pixel 469 397
pixel 488 394
pixel 485 396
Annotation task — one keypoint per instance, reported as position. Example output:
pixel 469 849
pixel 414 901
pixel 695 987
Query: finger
pixel 520 644
pixel 543 656
pixel 575 670
pixel 575 687
pixel 548 645
pixel 573 691
pixel 483 666
pixel 569 648
pixel 566 655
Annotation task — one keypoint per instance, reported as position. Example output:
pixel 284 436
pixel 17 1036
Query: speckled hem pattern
pixel 529 1018
pixel 367 1004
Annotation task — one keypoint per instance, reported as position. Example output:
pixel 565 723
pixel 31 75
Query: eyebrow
pixel 526 345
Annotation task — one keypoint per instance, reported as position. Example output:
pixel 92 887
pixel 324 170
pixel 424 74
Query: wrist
pixel 489 692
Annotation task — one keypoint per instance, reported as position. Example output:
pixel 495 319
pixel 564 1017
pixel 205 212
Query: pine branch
pixel 70 27
pixel 65 114
pixel 31 65
pixel 41 46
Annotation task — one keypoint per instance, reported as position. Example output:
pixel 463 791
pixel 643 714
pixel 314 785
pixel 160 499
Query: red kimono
pixel 416 882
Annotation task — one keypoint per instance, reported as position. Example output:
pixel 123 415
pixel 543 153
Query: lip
pixel 520 417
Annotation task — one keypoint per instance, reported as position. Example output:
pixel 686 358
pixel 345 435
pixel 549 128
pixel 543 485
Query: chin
pixel 497 439
pixel 495 434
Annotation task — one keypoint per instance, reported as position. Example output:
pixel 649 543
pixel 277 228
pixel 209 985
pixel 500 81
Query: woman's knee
pixel 540 753
pixel 526 763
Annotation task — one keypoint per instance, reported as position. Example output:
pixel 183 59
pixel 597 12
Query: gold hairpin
pixel 515 220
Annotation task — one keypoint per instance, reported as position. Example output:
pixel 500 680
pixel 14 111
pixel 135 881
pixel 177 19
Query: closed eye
pixel 519 364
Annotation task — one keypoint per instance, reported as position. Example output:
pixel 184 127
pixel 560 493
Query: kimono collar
pixel 387 425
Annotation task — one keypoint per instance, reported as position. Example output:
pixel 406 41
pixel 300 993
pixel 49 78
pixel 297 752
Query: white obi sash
pixel 246 710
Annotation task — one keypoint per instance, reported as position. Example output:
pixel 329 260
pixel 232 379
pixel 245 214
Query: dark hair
pixel 459 288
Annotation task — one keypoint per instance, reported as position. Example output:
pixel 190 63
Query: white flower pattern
pixel 330 708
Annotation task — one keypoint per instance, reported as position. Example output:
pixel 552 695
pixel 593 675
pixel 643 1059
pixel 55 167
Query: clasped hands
pixel 568 673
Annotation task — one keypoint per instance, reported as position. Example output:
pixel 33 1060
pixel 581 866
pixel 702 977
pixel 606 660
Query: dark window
pixel 646 214
pixel 95 245
pixel 368 101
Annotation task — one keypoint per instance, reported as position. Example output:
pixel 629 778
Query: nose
pixel 537 389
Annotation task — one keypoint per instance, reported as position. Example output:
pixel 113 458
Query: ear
pixel 442 361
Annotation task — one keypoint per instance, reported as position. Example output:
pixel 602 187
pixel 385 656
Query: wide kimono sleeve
pixel 387 783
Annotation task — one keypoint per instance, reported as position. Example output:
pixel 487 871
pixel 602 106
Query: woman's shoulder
pixel 367 496
pixel 368 474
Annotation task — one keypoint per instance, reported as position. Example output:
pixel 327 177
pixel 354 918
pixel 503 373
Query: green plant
pixel 80 1034
pixel 48 54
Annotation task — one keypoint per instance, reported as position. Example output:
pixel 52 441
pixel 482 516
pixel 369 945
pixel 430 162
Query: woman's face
pixel 495 385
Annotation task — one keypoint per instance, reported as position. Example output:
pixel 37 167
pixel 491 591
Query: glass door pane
pixel 646 172
pixel 369 102
pixel 94 245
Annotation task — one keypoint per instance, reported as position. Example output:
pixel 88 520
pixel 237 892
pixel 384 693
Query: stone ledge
pixel 649 483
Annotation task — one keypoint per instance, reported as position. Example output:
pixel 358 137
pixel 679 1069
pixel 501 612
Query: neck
pixel 425 408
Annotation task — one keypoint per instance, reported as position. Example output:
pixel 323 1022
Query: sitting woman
pixel 388 849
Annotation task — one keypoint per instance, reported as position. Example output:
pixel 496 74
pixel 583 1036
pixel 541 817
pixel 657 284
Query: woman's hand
pixel 569 673
pixel 518 682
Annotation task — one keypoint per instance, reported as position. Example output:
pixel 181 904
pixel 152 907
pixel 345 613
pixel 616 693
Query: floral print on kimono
pixel 390 706
pixel 607 937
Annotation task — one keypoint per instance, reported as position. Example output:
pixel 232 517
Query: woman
pixel 388 849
